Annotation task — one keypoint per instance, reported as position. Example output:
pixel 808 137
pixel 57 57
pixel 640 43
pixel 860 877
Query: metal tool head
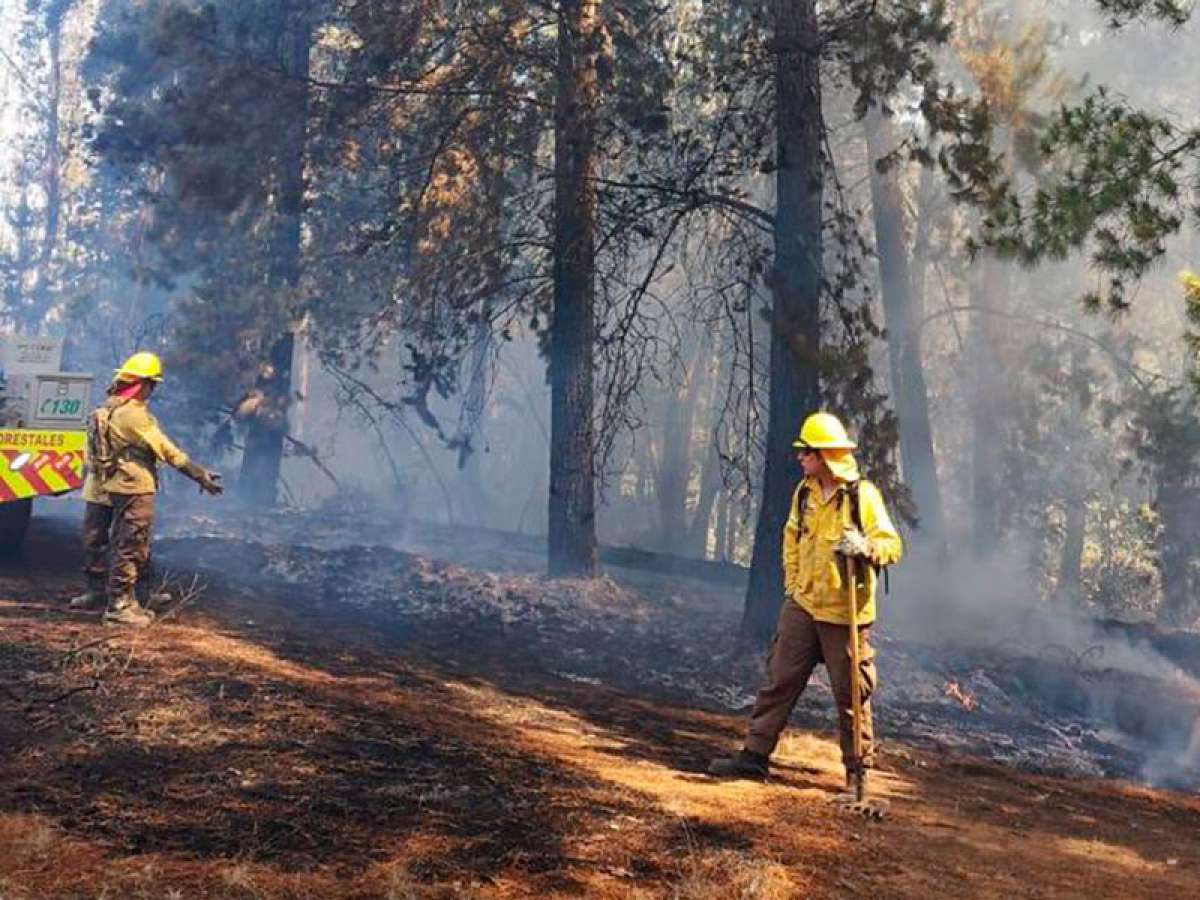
pixel 868 807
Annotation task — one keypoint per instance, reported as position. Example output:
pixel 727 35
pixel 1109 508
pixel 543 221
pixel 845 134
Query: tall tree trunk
pixel 921 238
pixel 1076 480
pixel 722 529
pixel 675 462
pixel 52 167
pixel 909 393
pixel 710 470
pixel 986 434
pixel 645 461
pixel 1070 572
pixel 1178 502
pixel 795 283
pixel 1179 506
pixel 572 503
pixel 992 412
pixel 739 525
pixel 710 487
pixel 23 224
pixel 263 455
pixel 470 454
pixel 300 406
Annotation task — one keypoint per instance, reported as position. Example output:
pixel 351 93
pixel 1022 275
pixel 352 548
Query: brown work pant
pixel 800 643
pixel 132 521
pixel 97 523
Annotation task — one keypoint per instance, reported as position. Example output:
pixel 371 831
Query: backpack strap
pixel 100 456
pixel 103 457
pixel 847 494
pixel 852 493
pixel 851 490
pixel 802 504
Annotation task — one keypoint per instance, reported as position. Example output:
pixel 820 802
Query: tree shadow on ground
pixel 323 779
pixel 685 740
pixel 654 726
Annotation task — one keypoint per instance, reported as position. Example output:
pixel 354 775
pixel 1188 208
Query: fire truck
pixel 43 430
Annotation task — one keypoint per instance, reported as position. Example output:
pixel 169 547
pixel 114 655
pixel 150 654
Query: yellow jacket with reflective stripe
pixel 139 446
pixel 813 575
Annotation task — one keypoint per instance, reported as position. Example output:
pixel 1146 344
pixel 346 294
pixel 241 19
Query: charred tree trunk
pixel 909 393
pixel 1179 506
pixel 572 503
pixel 795 284
pixel 263 456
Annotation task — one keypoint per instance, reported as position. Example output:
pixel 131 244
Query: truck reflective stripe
pixel 55 473
pixel 34 479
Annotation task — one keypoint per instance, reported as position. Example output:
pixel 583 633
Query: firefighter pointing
pixel 125 446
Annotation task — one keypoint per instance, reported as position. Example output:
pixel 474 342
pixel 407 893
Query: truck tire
pixel 14 522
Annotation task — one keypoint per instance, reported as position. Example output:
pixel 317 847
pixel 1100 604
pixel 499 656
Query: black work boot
pixel 744 764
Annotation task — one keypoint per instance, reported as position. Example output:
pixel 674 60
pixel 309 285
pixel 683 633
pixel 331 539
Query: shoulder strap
pixel 802 497
pixel 801 506
pixel 853 496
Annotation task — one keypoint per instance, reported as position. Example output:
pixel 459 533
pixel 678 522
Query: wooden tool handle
pixel 855 677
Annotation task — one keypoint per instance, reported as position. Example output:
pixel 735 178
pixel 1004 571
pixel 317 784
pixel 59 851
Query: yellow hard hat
pixel 141 365
pixel 823 431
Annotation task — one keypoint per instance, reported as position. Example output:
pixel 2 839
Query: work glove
pixel 854 543
pixel 210 482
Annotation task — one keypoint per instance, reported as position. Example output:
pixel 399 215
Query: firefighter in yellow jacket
pixel 834 514
pixel 125 446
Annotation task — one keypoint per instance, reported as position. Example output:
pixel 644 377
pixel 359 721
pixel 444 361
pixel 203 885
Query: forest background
pixel 579 269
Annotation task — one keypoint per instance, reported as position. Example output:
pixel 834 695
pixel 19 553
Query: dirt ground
pixel 254 746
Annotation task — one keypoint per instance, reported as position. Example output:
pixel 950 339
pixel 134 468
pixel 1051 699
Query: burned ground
pixel 332 721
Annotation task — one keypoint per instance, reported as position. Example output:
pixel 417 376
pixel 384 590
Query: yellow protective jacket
pixel 813 575
pixel 139 445
pixel 92 492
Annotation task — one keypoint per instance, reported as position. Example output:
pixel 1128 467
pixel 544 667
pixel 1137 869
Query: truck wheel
pixel 14 522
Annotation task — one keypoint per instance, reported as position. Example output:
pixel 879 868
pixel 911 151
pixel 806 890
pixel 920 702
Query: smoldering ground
pixel 1129 687
pixel 1048 692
